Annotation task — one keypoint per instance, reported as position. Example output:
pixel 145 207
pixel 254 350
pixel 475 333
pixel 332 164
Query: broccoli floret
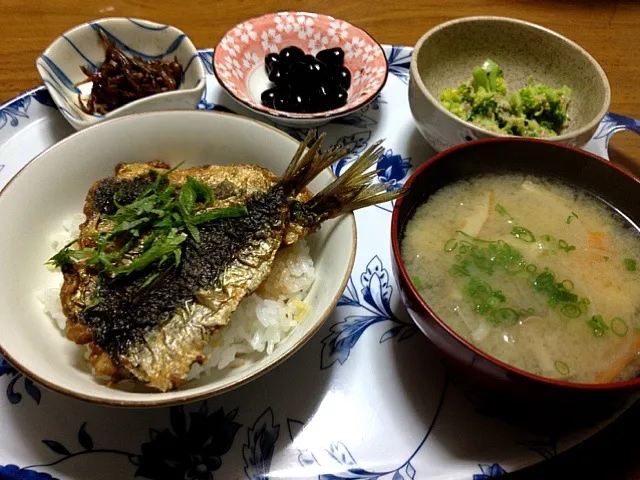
pixel 546 105
pixel 535 110
pixel 487 76
pixel 458 101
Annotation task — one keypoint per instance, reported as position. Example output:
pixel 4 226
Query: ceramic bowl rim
pixel 591 125
pixel 301 117
pixel 193 51
pixel 424 306
pixel 182 397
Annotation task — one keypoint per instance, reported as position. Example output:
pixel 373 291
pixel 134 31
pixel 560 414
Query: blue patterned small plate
pixel 59 66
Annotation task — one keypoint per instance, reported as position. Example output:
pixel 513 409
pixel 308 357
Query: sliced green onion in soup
pixel 505 316
pixel 571 310
pixel 459 271
pixel 451 245
pixel 619 326
pixel 493 302
pixel 563 245
pixel 502 211
pixel 544 281
pixel 597 324
pixel 562 368
pixel 523 234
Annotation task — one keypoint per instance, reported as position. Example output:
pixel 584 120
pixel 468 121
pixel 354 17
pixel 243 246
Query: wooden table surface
pixel 609 30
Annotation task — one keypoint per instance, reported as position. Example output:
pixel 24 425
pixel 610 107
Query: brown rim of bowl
pixel 279 114
pixel 415 296
pixel 413 69
pixel 186 398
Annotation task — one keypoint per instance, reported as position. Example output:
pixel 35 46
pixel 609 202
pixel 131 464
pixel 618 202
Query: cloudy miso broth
pixel 538 274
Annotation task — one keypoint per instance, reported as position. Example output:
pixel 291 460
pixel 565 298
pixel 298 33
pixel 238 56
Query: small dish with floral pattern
pixel 244 65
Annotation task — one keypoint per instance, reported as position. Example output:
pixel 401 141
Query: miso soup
pixel 538 274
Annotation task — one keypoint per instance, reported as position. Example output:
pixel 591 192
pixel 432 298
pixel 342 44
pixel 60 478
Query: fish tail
pixel 305 166
pixel 353 190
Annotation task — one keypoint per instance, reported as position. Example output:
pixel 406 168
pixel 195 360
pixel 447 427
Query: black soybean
pixel 299 102
pixel 281 101
pixel 320 72
pixel 300 73
pixel 310 59
pixel 270 61
pixel 331 56
pixel 268 97
pixel 279 76
pixel 304 83
pixel 337 97
pixel 289 55
pixel 320 99
pixel 342 77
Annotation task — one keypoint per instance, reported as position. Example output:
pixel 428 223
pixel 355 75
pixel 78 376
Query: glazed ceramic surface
pixel 47 195
pixel 59 66
pixel 351 404
pixel 239 62
pixel 529 157
pixel 446 55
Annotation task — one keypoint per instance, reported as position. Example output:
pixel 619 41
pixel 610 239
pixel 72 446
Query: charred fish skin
pixel 230 184
pixel 157 336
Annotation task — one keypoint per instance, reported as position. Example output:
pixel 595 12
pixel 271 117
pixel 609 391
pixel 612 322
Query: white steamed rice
pixel 259 324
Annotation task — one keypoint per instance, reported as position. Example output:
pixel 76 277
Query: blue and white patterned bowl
pixel 59 66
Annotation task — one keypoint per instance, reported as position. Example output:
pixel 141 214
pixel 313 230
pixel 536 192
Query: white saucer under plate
pixel 366 398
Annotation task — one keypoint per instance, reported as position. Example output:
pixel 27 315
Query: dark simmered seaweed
pixel 121 80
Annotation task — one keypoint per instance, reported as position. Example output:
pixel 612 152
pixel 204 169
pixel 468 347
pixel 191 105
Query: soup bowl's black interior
pixel 495 386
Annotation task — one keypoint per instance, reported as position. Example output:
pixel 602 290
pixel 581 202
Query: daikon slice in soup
pixel 540 275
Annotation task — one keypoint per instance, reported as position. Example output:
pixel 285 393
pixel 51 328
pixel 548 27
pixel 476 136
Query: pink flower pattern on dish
pixel 244 47
pixel 304 27
pixel 318 42
pixel 270 40
pixel 338 31
pixel 245 32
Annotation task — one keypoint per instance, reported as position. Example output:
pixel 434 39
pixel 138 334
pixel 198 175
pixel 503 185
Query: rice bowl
pixel 43 195
pixel 260 323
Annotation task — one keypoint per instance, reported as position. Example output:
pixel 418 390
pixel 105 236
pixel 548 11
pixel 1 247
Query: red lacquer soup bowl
pixel 496 386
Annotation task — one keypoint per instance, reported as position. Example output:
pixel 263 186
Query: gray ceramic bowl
pixel 446 55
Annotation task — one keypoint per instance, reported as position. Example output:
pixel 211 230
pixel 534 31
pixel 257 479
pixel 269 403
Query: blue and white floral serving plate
pixel 350 405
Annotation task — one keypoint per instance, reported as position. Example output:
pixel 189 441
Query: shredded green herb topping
pixel 149 230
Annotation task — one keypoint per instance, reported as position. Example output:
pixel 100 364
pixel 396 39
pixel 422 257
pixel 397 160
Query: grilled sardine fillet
pixel 156 336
